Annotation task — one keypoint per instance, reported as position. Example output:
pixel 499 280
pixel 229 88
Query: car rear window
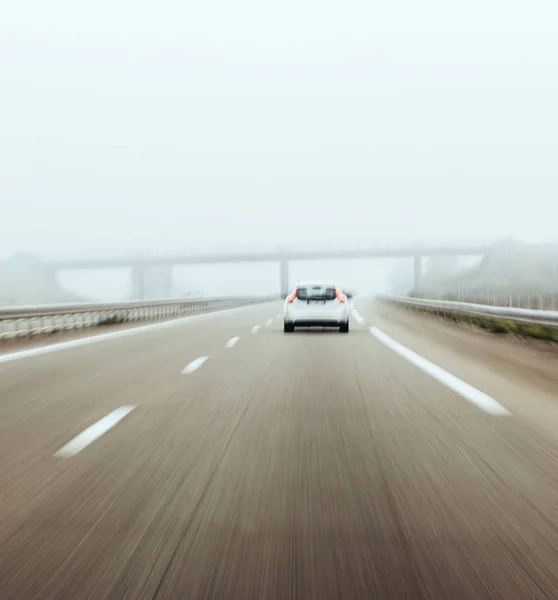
pixel 316 292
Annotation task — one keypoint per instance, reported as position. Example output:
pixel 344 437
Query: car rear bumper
pixel 303 316
pixel 316 323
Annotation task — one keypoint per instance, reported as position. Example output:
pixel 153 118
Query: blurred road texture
pixel 178 463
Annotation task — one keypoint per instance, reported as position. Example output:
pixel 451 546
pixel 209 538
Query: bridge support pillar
pixel 149 282
pixel 138 282
pixel 418 274
pixel 284 277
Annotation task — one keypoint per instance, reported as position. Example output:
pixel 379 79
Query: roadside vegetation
pixel 498 326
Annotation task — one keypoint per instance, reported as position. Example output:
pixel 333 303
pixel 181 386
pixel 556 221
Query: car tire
pixel 288 327
pixel 344 327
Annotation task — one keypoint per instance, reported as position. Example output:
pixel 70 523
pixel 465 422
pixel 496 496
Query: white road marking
pixel 278 317
pixel 232 342
pixel 4 358
pixel 357 317
pixel 480 399
pixel 194 365
pixel 269 322
pixel 255 329
pixel 94 432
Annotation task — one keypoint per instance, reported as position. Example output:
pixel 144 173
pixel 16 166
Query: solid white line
pixel 4 358
pixel 94 432
pixel 194 365
pixel 357 316
pixel 269 322
pixel 232 342
pixel 482 400
pixel 255 329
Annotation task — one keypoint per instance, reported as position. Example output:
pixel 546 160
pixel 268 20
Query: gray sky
pixel 171 124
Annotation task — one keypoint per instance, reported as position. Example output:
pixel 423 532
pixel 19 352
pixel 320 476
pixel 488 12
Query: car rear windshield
pixel 316 292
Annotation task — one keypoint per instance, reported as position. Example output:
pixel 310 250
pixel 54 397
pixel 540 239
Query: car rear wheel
pixel 344 327
pixel 288 327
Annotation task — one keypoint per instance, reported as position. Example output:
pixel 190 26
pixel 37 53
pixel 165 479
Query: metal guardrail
pixel 20 321
pixel 447 307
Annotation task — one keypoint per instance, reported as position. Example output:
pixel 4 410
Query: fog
pixel 169 126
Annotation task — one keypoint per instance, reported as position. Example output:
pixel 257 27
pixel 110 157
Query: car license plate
pixel 316 302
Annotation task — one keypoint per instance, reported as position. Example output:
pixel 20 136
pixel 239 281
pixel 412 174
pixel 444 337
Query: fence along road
pixel 526 315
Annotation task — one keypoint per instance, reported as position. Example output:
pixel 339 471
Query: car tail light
pixel 291 298
pixel 339 295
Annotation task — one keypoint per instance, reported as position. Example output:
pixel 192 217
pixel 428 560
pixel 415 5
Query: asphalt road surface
pixel 220 458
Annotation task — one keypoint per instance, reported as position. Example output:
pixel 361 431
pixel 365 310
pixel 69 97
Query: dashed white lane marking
pixel 94 432
pixel 255 329
pixel 269 322
pixel 232 342
pixel 480 399
pixel 357 317
pixel 194 365
pixel 278 317
pixel 4 358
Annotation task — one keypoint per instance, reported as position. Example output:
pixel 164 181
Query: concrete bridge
pixel 155 272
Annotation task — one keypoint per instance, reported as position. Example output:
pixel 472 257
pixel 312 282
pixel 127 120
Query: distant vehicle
pixel 317 304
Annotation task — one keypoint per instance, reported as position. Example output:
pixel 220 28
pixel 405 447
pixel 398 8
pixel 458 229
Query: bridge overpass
pixel 141 266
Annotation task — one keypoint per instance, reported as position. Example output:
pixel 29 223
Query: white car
pixel 312 304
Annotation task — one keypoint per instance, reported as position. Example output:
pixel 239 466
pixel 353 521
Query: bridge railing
pixel 20 321
pixel 449 308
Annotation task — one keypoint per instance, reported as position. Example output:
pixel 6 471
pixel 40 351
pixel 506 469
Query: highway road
pixel 220 458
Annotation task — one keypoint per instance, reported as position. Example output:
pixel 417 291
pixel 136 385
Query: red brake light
pixel 339 295
pixel 292 296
